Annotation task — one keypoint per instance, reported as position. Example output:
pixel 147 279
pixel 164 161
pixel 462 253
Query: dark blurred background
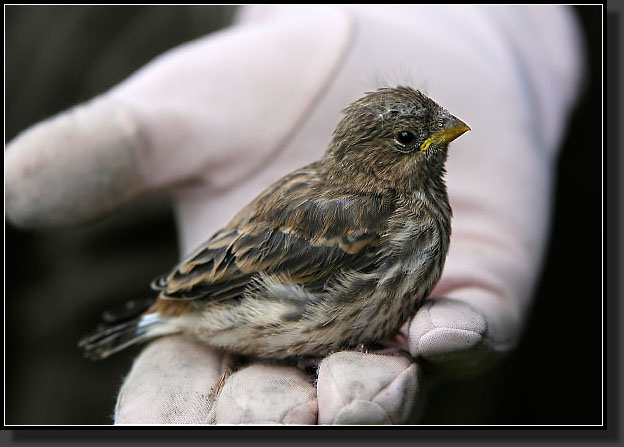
pixel 57 282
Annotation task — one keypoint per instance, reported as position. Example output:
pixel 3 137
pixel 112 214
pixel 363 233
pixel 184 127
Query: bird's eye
pixel 405 137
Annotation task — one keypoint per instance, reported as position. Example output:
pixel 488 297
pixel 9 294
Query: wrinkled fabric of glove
pixel 217 120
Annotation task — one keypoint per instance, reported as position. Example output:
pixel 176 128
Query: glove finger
pixel 460 337
pixel 173 381
pixel 267 394
pixel 73 167
pixel 360 388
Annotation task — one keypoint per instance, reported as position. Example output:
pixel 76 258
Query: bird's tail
pixel 108 340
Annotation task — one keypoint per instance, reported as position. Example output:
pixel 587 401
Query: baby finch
pixel 336 254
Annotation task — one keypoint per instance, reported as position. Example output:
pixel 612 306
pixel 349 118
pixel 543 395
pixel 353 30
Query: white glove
pixel 217 120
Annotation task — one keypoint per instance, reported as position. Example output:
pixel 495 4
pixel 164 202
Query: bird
pixel 337 254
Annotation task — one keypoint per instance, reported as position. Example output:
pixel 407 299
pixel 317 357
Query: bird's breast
pixel 414 254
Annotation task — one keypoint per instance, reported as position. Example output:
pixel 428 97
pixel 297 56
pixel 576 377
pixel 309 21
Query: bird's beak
pixel 453 127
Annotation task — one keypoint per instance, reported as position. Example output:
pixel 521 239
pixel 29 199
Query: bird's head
pixel 394 136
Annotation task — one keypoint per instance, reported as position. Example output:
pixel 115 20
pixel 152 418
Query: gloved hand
pixel 217 120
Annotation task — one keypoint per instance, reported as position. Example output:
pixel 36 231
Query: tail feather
pixel 128 311
pixel 105 342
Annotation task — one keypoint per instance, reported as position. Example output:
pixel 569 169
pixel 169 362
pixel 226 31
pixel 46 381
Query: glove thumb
pixel 73 167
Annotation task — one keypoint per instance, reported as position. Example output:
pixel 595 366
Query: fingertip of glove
pixel 262 394
pixel 444 325
pixel 361 412
pixel 358 388
pixel 72 167
pixel 440 343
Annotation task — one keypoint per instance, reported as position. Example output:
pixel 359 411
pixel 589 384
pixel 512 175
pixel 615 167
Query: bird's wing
pixel 295 231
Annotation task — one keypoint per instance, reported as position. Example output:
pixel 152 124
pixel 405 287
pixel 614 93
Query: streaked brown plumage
pixel 338 253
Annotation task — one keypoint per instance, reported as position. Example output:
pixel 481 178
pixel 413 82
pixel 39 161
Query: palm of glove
pixel 177 124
